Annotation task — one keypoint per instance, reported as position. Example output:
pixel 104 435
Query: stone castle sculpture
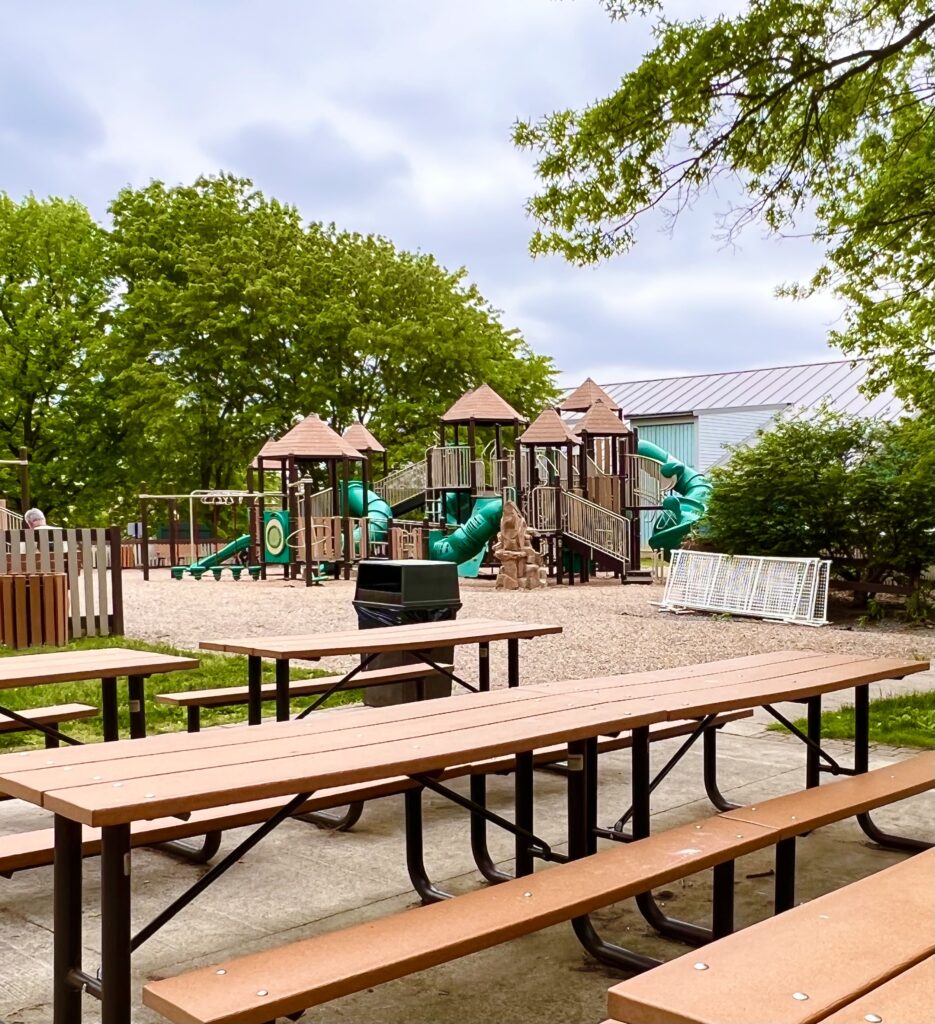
pixel 520 564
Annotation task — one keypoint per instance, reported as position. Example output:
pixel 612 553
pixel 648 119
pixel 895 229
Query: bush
pixel 860 492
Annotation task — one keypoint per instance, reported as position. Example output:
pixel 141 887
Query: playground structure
pixel 579 475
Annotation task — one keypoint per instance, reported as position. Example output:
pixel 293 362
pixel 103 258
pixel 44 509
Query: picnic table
pixel 417 639
pixel 108 664
pixel 111 786
pixel 865 952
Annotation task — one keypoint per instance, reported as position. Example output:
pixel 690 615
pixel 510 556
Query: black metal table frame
pixel 347 820
pixel 283 712
pixel 110 711
pixel 112 983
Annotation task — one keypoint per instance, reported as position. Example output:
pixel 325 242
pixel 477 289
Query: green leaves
pixel 825 107
pixel 858 491
pixel 209 319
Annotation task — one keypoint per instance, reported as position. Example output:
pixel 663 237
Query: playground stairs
pixel 597 528
pixel 404 489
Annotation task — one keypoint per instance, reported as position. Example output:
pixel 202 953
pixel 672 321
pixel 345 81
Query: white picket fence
pixel 793 590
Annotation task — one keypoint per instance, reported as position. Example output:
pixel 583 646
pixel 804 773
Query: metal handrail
pixel 596 526
pixel 542 511
pixel 451 466
pixel 402 484
pixel 647 485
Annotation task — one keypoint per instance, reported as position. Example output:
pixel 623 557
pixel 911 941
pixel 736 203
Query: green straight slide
pixel 460 546
pixel 228 551
pixel 680 511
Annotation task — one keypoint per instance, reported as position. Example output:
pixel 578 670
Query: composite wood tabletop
pixel 415 636
pixel 72 666
pixel 176 773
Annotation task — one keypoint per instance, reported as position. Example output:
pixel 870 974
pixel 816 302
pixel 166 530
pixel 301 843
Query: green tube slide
pixel 462 545
pixel 228 551
pixel 469 540
pixel 680 511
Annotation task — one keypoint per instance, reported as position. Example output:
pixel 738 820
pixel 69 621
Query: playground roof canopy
pixel 359 437
pixel 310 440
pixel 482 405
pixel 585 395
pixel 599 421
pixel 548 428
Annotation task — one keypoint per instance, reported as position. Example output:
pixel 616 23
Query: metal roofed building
pixel 695 417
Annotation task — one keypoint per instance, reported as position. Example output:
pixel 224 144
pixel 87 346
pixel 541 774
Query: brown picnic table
pixel 107 664
pixel 416 639
pixel 863 953
pixel 111 786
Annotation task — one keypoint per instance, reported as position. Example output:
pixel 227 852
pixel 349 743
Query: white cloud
pixel 394 118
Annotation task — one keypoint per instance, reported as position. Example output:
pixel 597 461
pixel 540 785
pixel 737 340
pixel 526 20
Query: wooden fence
pixel 91 559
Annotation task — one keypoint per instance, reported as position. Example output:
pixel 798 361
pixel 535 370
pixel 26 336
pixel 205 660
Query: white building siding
pixel 717 429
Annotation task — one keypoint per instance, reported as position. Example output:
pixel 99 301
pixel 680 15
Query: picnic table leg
pixel 136 694
pixel 109 711
pixel 717 798
pixel 580 780
pixel 254 683
pixel 115 924
pixel 482 858
pixel 640 781
pixel 483 666
pixel 812 762
pixel 512 662
pixel 66 994
pixel 415 860
pixel 524 799
pixel 282 690
pixel 862 764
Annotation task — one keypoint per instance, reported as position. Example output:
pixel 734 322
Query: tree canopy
pixel 167 349
pixel 822 111
pixel 55 291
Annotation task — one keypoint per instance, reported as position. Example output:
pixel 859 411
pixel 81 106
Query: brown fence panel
pixel 89 559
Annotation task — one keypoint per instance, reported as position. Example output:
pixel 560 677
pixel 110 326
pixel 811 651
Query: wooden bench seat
pixel 255 989
pixel 229 696
pixel 831 959
pixel 34 849
pixel 54 715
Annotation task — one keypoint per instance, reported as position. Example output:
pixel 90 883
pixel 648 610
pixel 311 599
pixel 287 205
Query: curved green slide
pixel 680 511
pixel 228 551
pixel 463 545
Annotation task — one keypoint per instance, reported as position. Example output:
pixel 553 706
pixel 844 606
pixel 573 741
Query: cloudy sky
pixel 395 118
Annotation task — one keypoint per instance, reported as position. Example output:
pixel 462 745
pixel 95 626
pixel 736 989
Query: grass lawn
pixel 216 670
pixel 904 721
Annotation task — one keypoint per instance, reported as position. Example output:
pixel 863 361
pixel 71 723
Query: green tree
pixel 205 328
pixel 55 293
pixel 404 339
pixel 858 491
pixel 823 111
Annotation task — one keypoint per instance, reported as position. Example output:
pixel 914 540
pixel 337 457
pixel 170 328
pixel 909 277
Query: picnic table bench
pixel 112 786
pixel 862 953
pixel 108 664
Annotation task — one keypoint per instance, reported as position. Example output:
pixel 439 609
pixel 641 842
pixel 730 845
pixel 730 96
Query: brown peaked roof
pixel 548 428
pixel 310 439
pixel 585 395
pixel 483 406
pixel 599 421
pixel 359 437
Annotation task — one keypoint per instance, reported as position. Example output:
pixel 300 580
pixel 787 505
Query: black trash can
pixel 399 593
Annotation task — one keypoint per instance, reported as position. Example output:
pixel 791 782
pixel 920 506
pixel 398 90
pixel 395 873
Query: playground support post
pixel 144 533
pixel 25 496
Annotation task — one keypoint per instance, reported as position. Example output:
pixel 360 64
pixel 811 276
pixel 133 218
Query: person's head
pixel 34 518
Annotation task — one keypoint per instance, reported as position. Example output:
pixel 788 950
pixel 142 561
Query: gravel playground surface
pixel 608 628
